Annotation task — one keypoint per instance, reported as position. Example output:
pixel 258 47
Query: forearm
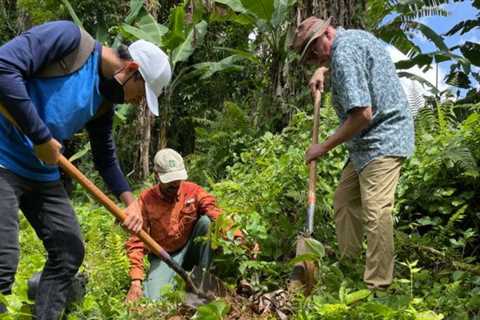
pixel 135 252
pixel 356 121
pixel 127 198
pixel 105 159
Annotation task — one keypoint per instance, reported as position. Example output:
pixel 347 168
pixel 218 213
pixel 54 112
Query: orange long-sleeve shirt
pixel 169 223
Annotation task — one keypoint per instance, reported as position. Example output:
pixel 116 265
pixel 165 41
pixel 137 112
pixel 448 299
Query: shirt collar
pixel 339 32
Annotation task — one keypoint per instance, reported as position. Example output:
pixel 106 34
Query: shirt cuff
pixel 137 274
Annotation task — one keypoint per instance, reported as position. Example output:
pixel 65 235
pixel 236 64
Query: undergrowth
pixel 437 242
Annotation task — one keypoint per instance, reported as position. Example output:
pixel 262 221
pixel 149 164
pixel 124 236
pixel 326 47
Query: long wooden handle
pixel 312 174
pixel 119 213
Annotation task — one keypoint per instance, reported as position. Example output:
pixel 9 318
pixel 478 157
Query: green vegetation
pixel 240 112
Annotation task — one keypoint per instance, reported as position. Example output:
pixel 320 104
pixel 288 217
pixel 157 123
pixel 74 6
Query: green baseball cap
pixel 169 166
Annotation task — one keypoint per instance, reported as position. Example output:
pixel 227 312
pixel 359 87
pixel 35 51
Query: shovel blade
pixel 304 272
pixel 208 284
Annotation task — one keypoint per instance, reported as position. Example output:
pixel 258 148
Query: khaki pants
pixel 365 202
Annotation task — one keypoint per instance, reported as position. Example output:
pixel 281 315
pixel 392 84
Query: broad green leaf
pixel 150 25
pixel 378 309
pixel 82 152
pixel 425 221
pixel 176 35
pixel 428 315
pixel 304 257
pixel 141 34
pixel 420 79
pixel 244 19
pixel 147 29
pixel 457 275
pixel 210 68
pixel 471 51
pixel 419 60
pixel 430 35
pixel 463 26
pixel 315 246
pixel 262 9
pixel 241 53
pixel 215 310
pixel 458 79
pixel 101 34
pixel 235 5
pixel 135 8
pixel 135 11
pixel 393 34
pixel 194 38
pixel 357 296
pixel 280 13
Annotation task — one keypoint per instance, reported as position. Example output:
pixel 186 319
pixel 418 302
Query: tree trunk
pixel 163 127
pixel 346 13
pixel 144 121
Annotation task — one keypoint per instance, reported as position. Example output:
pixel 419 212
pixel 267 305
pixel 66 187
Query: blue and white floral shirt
pixel 363 75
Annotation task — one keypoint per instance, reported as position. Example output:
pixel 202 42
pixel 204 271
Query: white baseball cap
pixel 154 68
pixel 169 166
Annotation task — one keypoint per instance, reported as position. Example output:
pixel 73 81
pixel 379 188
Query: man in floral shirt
pixel 175 212
pixel 377 128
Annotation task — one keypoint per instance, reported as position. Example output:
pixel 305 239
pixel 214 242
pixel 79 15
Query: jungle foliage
pixel 239 110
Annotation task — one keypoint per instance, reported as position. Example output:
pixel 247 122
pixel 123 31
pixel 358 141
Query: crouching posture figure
pixel 175 213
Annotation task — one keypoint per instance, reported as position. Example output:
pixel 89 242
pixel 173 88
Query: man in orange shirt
pixel 175 212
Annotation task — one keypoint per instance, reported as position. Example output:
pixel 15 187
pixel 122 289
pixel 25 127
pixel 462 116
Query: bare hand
pixel 318 79
pixel 135 292
pixel 314 152
pixel 134 220
pixel 48 152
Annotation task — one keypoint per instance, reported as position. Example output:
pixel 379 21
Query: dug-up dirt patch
pixel 272 305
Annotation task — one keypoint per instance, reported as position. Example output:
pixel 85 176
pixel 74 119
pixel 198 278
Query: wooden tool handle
pixel 312 174
pixel 119 213
pixel 312 177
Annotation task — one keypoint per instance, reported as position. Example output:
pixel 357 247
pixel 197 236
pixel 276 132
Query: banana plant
pixel 268 17
pixel 136 10
pixel 397 30
pixel 179 40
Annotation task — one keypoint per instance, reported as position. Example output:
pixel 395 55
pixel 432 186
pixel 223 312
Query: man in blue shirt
pixel 377 128
pixel 55 80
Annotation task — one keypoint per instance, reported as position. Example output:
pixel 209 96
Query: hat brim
pixel 318 33
pixel 173 176
pixel 152 99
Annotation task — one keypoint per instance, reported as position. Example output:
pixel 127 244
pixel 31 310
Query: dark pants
pixel 46 206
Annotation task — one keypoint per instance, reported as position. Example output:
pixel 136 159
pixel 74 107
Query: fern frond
pixel 416 101
pixel 460 155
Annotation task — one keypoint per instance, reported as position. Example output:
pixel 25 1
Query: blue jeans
pixel 47 208
pixel 194 253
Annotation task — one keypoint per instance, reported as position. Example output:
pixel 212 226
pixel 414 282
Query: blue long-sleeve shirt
pixel 25 55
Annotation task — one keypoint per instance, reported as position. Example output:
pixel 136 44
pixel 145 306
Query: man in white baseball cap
pixel 89 79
